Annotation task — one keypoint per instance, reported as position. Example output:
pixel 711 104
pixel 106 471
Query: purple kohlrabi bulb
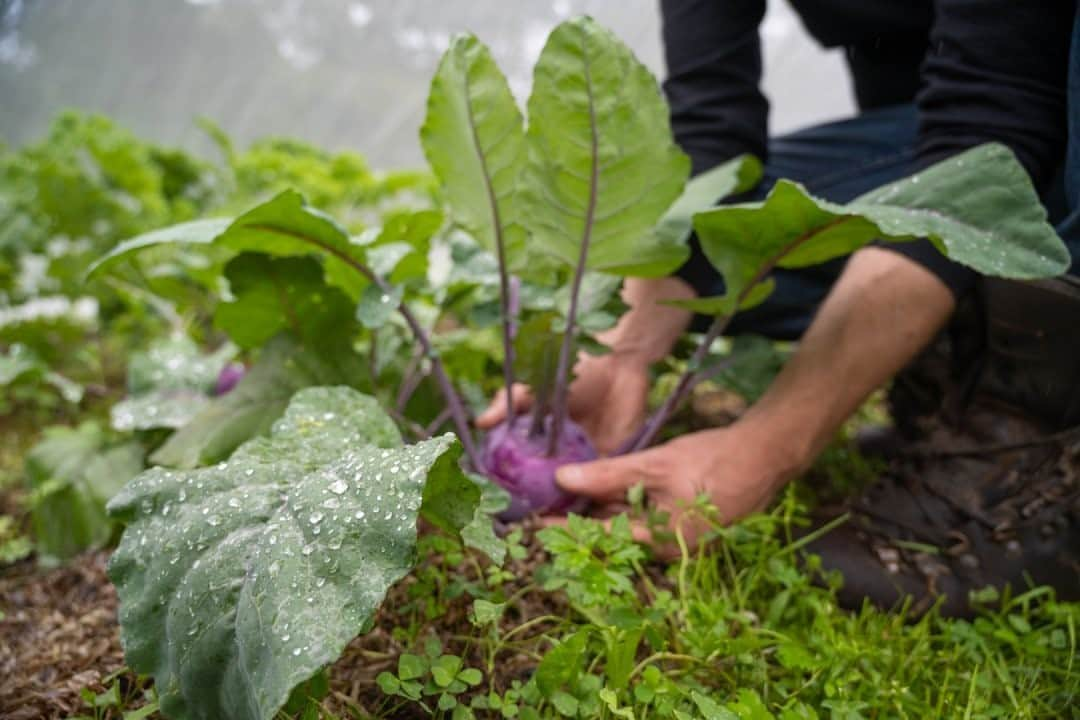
pixel 228 377
pixel 520 464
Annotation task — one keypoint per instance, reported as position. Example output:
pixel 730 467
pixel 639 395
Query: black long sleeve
pixel 995 70
pixel 978 70
pixel 713 81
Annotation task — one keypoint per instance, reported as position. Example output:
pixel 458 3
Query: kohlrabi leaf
pixel 275 294
pixel 286 225
pixel 20 364
pixel 283 367
pixel 704 191
pixel 176 362
pixel 171 408
pixel 240 581
pixel 70 476
pixel 377 307
pixel 196 232
pixel 979 208
pixel 399 250
pixel 744 242
pixel 602 167
pixel 168 384
pixel 301 432
pixel 474 139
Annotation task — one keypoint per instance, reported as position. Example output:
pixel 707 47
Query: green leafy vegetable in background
pixel 21 365
pixel 70 475
pixel 283 367
pixel 168 385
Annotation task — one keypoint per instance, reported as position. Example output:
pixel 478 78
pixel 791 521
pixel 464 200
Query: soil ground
pixel 59 635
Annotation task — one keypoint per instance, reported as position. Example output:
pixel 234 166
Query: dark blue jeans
pixel 841 160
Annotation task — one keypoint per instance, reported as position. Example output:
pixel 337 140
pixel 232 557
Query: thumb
pixel 495 413
pixel 607 479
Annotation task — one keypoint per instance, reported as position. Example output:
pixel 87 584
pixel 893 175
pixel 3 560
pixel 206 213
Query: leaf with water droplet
pixel 260 563
pixel 283 367
pixel 168 384
pixel 978 208
pixel 377 305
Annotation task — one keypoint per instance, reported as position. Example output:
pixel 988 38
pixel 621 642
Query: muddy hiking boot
pixel 983 484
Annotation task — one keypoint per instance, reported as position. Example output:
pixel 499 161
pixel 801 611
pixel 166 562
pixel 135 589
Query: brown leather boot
pixel 985 489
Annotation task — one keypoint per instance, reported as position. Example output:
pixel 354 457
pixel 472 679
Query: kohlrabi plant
pixel 240 580
pixel 585 193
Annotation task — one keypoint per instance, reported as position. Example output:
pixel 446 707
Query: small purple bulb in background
pixel 228 377
pixel 520 465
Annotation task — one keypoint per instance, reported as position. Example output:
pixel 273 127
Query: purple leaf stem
pixel 562 372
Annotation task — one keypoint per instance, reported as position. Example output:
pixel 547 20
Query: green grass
pixel 736 629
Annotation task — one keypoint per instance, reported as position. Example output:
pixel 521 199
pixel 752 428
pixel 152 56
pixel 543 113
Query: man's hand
pixel 739 468
pixel 882 311
pixel 608 397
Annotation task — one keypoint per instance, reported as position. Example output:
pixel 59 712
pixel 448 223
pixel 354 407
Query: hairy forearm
pixel 648 330
pixel 882 311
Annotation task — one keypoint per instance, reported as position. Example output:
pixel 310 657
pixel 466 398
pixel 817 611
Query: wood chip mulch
pixel 58 635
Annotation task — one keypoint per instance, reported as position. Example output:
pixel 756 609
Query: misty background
pixel 336 73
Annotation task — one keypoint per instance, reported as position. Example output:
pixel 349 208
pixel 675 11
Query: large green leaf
pixel 71 474
pixel 197 232
pixel 979 208
pixel 703 192
pixel 474 139
pixel 285 225
pixel 275 294
pixel 602 167
pixel 283 367
pixel 239 581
